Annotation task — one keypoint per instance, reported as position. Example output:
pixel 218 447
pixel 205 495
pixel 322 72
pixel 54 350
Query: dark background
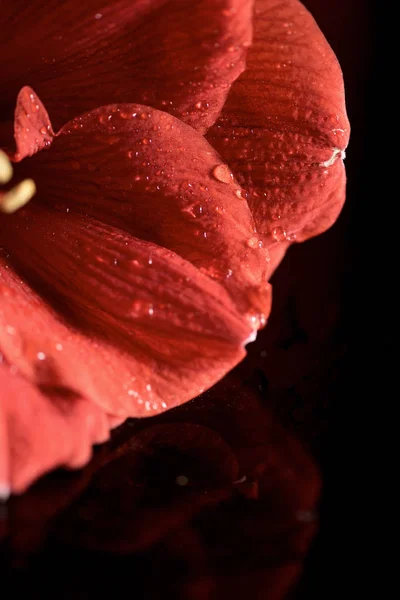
pixel 349 453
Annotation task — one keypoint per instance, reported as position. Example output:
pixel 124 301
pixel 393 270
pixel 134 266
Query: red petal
pixel 284 126
pixel 45 431
pixel 149 331
pixel 148 173
pixel 32 126
pixel 79 55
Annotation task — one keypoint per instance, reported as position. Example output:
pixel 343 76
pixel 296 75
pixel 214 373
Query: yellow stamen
pixel 6 170
pixel 18 196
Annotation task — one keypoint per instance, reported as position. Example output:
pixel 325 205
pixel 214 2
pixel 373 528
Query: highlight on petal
pixel 151 175
pixel 172 54
pixel 283 129
pixel 44 430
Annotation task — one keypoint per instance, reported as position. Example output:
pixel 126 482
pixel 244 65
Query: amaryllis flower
pixel 137 251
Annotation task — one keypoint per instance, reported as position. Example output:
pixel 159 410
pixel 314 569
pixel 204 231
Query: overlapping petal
pixel 176 55
pixel 149 330
pixel 284 128
pixel 148 173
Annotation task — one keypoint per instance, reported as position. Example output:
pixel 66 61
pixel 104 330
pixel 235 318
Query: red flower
pixel 134 278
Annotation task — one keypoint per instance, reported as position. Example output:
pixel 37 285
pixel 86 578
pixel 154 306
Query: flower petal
pixel 45 431
pixel 32 126
pixel 284 128
pixel 147 330
pixel 79 55
pixel 148 173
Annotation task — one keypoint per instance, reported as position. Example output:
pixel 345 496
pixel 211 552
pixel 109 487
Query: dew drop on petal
pixel 279 234
pixel 252 242
pixel 222 173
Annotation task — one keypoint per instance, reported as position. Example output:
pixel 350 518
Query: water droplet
pixel 43 130
pixel 222 173
pixel 238 194
pixel 291 237
pixel 279 234
pixel 252 242
pixel 195 210
pixel 59 347
pixel 98 16
pixel 148 387
pixel 41 356
pixel 256 320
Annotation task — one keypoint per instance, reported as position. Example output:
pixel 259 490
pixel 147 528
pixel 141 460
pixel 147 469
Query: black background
pixel 351 450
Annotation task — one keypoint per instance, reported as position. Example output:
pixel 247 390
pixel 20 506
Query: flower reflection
pixel 211 500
